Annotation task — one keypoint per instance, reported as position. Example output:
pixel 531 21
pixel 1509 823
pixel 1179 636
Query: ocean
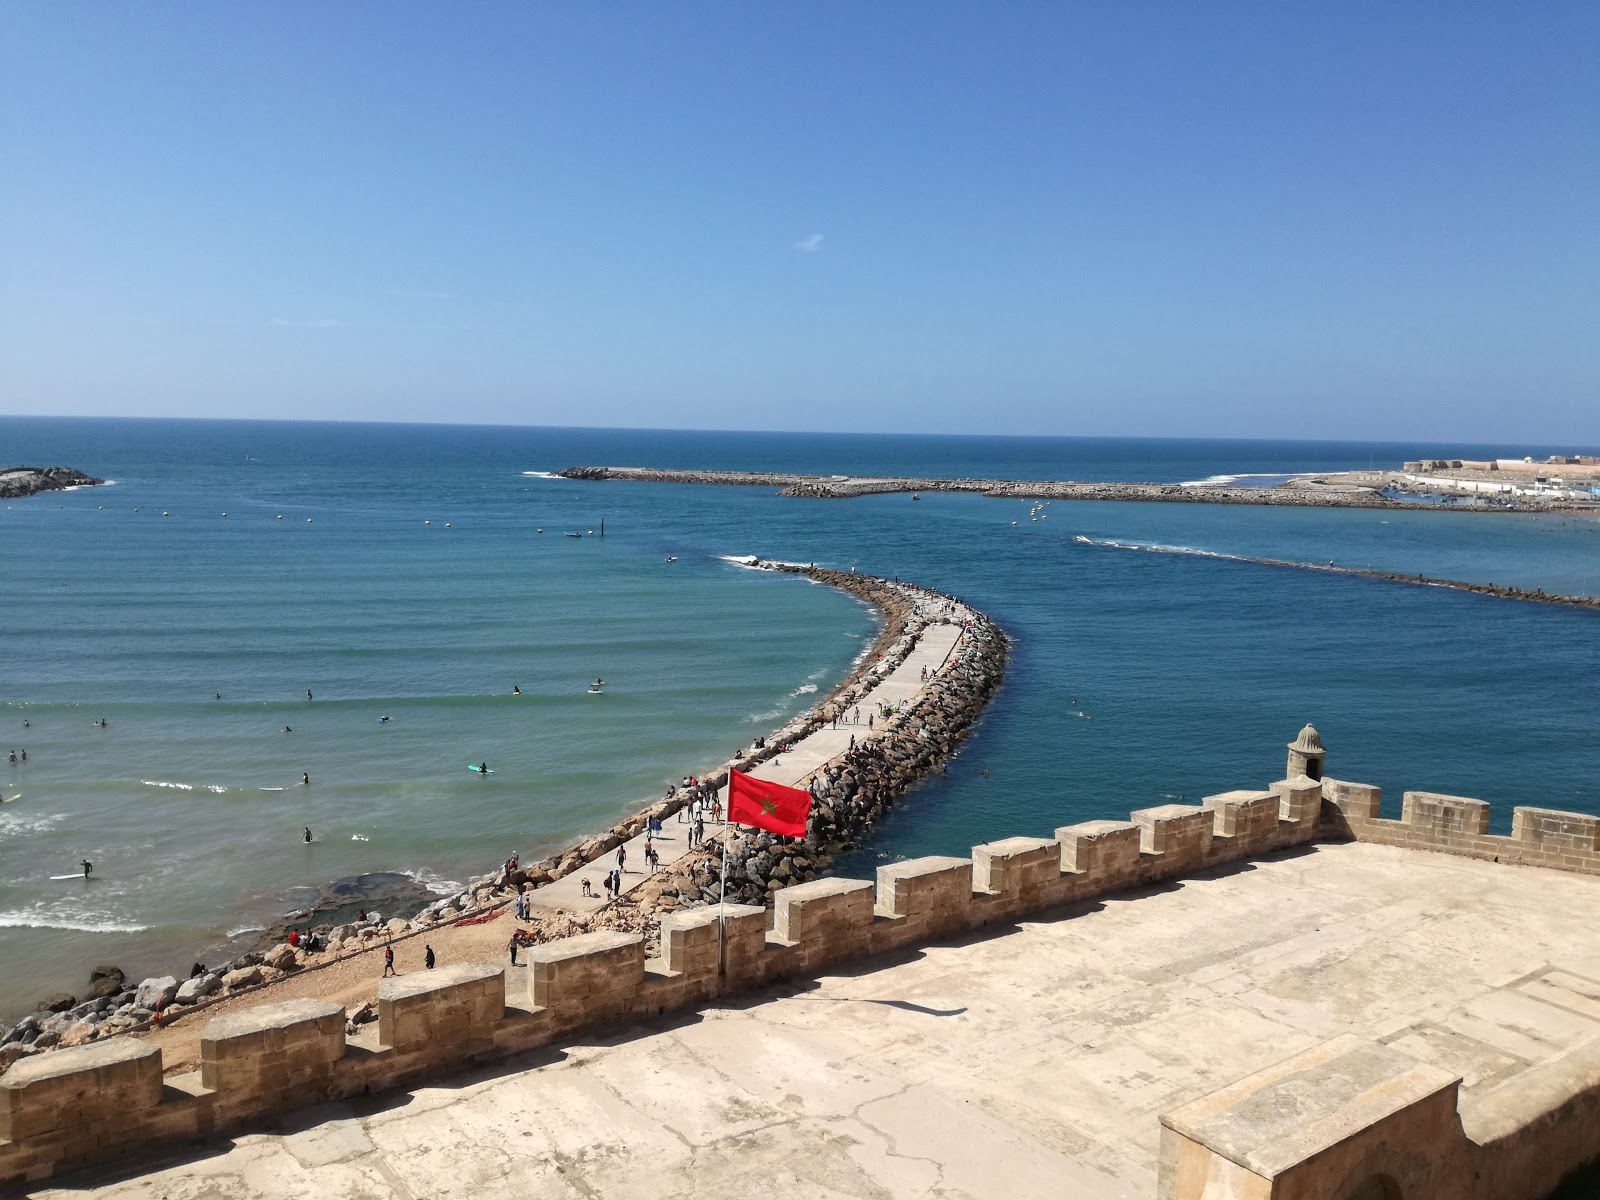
pixel 421 573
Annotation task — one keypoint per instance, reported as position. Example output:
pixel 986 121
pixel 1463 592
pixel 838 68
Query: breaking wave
pixel 29 920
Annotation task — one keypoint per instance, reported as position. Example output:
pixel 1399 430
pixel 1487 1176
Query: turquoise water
pixel 1195 670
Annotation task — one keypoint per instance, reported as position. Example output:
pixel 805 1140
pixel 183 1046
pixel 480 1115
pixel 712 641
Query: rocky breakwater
pixel 1323 492
pixel 850 793
pixel 26 481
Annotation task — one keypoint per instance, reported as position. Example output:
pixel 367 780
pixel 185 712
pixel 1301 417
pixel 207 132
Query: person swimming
pixel 101 722
pixel 305 781
pixel 515 690
pixel 216 695
pixel 25 723
pixel 286 729
pixel 383 720
pixel 308 693
pixel 308 833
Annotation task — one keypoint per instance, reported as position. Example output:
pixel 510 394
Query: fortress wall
pixel 76 1106
pixel 1540 837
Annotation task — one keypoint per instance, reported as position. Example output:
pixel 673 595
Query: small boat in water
pixel 576 535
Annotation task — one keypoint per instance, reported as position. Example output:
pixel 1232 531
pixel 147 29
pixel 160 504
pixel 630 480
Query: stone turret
pixel 1306 754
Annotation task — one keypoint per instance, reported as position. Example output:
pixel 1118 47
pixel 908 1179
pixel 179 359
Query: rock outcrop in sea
pixel 26 481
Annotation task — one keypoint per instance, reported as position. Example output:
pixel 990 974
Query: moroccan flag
pixel 769 806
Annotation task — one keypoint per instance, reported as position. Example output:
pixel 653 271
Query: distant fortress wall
pixel 108 1099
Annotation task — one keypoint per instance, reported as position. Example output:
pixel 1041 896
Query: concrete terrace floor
pixel 1028 1060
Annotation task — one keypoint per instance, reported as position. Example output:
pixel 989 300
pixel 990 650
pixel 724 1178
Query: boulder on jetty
pixel 156 993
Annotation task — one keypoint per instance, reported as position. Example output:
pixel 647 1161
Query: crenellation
pixel 1446 816
pixel 1569 834
pixel 1299 803
pixel 1102 852
pixel 1179 833
pixel 450 1011
pixel 289 1047
pixel 593 976
pixel 926 897
pixel 1017 869
pixel 826 918
pixel 1247 819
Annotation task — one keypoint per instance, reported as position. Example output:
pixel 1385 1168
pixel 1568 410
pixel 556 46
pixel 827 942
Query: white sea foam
pixel 272 789
pixel 39 920
pixel 1225 480
pixel 215 787
pixel 434 882
pixel 182 787
pixel 244 929
pixel 804 689
pixel 18 823
pixel 542 474
pixel 1158 548
pixel 741 560
pixel 358 837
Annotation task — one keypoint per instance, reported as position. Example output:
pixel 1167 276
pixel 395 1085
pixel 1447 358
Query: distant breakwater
pixel 1534 595
pixel 1299 492
pixel 1329 490
pixel 16 482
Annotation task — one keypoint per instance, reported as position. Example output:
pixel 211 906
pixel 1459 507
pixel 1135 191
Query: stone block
pixel 441 1009
pixel 1557 831
pixel 1247 817
pixel 1100 849
pixel 689 939
pixel 271 1046
pixel 593 971
pixel 1299 801
pixel 835 909
pixel 1015 866
pixel 114 1081
pixel 1180 833
pixel 934 891
pixel 1354 801
pixel 1320 1124
pixel 1435 814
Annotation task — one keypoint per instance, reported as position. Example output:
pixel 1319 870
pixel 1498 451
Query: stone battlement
pixel 97 1102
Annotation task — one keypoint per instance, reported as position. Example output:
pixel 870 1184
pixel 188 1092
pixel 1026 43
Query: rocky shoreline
pixel 16 482
pixel 851 795
pixel 1330 490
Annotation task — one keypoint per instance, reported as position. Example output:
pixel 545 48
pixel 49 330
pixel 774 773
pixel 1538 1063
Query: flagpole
pixel 722 895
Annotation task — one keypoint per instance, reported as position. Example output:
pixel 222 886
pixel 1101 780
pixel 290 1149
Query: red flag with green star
pixel 769 806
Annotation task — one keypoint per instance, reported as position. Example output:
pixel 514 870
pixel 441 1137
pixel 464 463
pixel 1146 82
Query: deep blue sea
pixel 422 572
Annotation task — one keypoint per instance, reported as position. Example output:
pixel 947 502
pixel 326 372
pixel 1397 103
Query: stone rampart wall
pixel 97 1102
pixel 1540 837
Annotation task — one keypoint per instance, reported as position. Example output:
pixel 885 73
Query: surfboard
pixel 475 767
pixel 9 799
pixel 74 875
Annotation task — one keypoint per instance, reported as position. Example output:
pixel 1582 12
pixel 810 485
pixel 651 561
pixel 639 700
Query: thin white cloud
pixel 324 323
pixel 809 245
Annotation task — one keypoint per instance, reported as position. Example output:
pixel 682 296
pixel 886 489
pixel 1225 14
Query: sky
pixel 1280 220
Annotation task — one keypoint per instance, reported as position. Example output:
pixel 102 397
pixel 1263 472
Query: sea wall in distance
pixel 1329 490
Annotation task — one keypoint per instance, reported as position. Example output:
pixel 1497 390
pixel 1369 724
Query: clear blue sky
pixel 1366 220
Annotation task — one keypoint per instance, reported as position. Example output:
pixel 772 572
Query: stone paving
pixel 1030 1060
pixel 794 768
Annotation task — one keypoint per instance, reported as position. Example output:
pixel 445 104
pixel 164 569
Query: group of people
pixel 428 959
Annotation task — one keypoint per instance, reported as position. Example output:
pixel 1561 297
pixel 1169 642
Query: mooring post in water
pixel 602 527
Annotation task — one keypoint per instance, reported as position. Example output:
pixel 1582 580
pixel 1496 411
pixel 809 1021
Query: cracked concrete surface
pixel 1027 1061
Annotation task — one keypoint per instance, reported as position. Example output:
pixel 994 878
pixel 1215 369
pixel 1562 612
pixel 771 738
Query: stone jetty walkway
pixel 794 769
